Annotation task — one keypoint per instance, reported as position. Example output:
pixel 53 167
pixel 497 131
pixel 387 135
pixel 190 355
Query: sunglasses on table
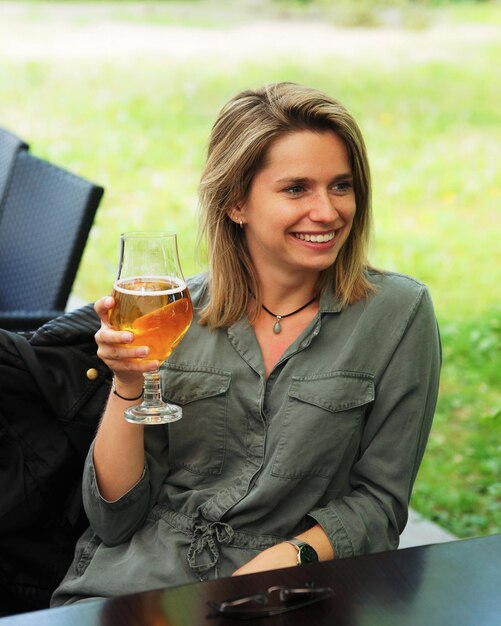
pixel 275 600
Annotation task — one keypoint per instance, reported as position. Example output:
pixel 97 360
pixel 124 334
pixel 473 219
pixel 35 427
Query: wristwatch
pixel 305 553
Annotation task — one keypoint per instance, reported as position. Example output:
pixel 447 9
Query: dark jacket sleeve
pixel 52 392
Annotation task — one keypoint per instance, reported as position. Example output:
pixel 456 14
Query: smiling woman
pixel 297 215
pixel 300 440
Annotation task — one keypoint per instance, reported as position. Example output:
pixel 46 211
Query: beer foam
pixel 180 286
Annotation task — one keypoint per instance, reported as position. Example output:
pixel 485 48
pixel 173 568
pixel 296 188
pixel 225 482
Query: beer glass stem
pixel 152 393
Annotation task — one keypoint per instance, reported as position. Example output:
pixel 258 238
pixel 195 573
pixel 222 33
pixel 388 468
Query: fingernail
pixel 127 337
pixel 142 351
pixel 108 301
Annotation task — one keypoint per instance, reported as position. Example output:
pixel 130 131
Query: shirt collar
pixel 330 302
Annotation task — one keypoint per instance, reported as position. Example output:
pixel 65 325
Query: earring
pixel 241 223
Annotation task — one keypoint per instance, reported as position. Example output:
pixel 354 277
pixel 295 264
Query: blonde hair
pixel 240 138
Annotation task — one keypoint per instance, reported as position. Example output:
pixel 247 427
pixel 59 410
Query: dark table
pixel 456 584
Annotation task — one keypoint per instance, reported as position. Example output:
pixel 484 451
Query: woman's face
pixel 301 204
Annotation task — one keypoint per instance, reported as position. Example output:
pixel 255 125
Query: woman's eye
pixel 342 187
pixel 294 189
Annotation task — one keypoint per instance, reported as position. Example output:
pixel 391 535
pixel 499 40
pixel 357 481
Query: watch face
pixel 307 554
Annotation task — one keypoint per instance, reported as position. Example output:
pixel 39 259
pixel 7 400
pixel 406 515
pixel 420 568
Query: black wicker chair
pixel 46 214
pixel 10 145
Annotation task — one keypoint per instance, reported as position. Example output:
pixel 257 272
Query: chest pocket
pixel 197 442
pixel 322 423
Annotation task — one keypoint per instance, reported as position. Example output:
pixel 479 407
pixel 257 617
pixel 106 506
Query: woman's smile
pixel 323 238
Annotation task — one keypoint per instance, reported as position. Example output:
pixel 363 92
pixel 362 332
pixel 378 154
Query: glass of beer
pixel 152 302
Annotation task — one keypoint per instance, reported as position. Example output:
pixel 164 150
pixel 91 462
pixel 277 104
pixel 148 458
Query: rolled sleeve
pixel 371 517
pixel 114 521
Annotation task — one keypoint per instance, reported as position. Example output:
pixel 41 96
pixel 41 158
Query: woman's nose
pixel 322 208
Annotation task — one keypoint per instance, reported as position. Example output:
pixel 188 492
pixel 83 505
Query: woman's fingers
pixel 121 366
pixel 114 346
pixel 126 362
pixel 119 352
pixel 107 336
pixel 103 306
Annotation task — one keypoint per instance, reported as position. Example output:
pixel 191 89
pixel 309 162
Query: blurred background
pixel 125 93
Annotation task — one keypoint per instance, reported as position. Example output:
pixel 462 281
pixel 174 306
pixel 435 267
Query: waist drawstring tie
pixel 203 553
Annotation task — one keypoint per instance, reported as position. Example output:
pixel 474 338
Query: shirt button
pixel 92 373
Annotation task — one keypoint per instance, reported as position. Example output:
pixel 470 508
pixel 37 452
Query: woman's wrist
pixel 318 539
pixel 127 391
pixel 305 552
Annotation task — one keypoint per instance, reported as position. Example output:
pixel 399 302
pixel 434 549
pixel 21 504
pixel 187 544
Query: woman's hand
pixel 114 348
pixel 276 557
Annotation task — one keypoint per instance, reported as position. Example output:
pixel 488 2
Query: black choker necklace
pixel 276 326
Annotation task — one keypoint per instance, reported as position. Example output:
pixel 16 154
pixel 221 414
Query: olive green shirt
pixel 334 436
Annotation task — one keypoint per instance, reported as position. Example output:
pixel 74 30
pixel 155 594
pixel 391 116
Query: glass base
pixel 159 414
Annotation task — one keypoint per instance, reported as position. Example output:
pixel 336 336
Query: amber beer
pixel 157 310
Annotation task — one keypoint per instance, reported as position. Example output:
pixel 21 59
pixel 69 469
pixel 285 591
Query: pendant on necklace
pixel 277 329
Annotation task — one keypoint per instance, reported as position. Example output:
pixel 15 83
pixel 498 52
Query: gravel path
pixel 78 32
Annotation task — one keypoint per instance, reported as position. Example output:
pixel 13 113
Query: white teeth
pixel 315 238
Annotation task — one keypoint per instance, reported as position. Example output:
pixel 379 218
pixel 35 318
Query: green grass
pixel 459 484
pixel 139 125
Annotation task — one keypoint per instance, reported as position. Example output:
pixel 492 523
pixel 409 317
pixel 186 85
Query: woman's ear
pixel 237 215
